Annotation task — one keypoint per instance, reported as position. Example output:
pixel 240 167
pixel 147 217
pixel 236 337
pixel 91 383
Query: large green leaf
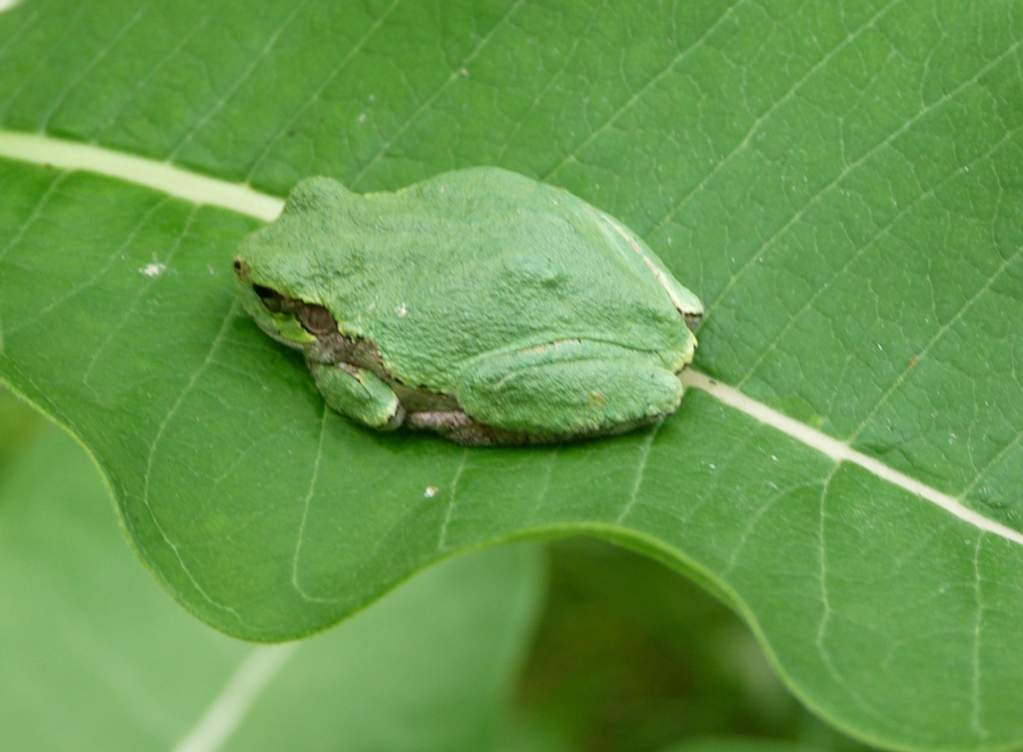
pixel 841 183
pixel 87 632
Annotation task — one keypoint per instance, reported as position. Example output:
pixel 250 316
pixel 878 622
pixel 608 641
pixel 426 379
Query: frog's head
pixel 282 271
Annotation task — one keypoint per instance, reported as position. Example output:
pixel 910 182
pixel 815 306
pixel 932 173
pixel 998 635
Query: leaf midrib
pixel 228 709
pixel 202 189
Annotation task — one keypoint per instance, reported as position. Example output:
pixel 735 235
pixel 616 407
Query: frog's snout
pixel 241 268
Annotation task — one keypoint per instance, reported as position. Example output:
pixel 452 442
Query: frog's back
pixel 484 260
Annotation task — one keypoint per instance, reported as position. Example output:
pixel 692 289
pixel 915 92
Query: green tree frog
pixel 480 304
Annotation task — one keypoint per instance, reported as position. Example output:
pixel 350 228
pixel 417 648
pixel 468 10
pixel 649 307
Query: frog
pixel 481 304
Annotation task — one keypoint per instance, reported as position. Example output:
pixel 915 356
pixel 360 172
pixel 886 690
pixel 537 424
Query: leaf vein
pixel 646 86
pixel 154 447
pixel 20 31
pixel 349 56
pixel 442 536
pixel 766 115
pixel 849 169
pixel 306 502
pixel 452 77
pixel 236 86
pixel 938 336
pixel 144 81
pixel 43 60
pixel 88 68
pixel 637 483
pixel 96 276
pixel 130 307
pixel 883 232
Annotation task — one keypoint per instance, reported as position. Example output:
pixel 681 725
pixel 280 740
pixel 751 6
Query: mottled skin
pixel 481 304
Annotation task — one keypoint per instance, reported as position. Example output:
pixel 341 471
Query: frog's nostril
pixel 241 268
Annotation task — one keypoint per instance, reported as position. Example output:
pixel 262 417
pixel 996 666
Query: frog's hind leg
pixel 569 389
pixel 359 394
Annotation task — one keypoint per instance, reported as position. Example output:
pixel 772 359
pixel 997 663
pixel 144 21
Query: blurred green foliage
pixel 630 656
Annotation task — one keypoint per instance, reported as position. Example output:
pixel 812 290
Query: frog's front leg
pixel 358 394
pixel 568 389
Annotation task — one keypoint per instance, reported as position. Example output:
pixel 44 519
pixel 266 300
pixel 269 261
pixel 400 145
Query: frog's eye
pixel 272 299
pixel 316 319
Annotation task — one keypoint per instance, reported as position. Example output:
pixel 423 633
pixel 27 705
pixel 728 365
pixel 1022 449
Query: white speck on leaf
pixel 361 119
pixel 152 270
pixel 402 310
pixel 430 492
pixel 463 72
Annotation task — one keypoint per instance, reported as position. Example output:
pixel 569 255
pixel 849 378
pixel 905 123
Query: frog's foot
pixel 359 394
pixel 568 390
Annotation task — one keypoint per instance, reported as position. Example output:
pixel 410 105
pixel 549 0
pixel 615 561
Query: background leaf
pixel 87 633
pixel 840 183
pixel 629 656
